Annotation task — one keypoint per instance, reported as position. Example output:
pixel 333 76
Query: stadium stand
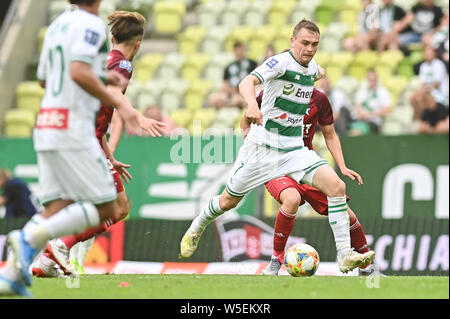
pixel 204 32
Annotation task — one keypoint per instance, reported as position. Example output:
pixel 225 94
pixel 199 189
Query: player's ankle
pixel 279 256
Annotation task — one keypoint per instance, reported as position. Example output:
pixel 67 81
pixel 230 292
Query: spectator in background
pixel 439 41
pixel 390 14
pixel 434 118
pixel 434 78
pixel 270 51
pixel 367 31
pixel 155 112
pixel 234 73
pixel 373 103
pixel 4 6
pixel 419 24
pixel 16 197
pixel 340 104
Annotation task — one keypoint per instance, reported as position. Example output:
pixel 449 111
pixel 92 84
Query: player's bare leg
pixel 25 243
pixel 290 201
pixel 59 249
pixel 326 180
pixel 123 209
pixel 216 207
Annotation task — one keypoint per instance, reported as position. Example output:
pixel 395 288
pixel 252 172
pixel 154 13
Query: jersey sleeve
pixel 270 69
pixel 87 42
pixel 124 67
pixel 41 72
pixel 326 112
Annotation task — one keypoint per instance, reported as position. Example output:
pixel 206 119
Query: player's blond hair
pixel 126 25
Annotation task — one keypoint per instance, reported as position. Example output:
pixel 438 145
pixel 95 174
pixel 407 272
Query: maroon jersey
pixel 319 111
pixel 116 61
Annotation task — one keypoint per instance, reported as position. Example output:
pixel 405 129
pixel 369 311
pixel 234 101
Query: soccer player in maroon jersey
pixel 127 29
pixel 291 194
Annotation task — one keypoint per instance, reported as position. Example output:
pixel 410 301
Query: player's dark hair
pixel 85 2
pixel 305 24
pixel 126 25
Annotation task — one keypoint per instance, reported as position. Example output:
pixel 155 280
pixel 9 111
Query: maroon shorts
pixel 117 180
pixel 313 196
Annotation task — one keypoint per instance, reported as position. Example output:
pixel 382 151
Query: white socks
pixel 83 250
pixel 208 214
pixel 73 219
pixel 340 223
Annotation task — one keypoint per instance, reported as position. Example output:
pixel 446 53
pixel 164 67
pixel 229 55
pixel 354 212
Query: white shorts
pixel 78 175
pixel 258 164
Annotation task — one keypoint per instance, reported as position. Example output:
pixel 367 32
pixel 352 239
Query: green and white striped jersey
pixel 288 87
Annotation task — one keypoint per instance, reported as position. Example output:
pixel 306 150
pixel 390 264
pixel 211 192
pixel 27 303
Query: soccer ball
pixel 301 260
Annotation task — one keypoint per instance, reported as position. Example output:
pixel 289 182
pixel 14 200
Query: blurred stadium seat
pixel 29 95
pixel 205 31
pixel 168 16
pixel 19 123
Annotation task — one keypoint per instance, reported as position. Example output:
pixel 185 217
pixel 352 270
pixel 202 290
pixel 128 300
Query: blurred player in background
pixel 76 186
pixel 291 194
pixel 127 30
pixel 274 146
pixel 15 195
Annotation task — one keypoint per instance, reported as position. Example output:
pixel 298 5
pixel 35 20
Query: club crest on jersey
pixel 288 89
pixel 125 64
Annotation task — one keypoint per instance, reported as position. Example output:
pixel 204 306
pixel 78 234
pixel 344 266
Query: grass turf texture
pixel 179 286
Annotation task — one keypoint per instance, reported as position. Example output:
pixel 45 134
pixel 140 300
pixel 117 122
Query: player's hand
pixel 152 127
pixel 254 115
pixel 320 72
pixel 352 175
pixel 121 168
pixel 116 79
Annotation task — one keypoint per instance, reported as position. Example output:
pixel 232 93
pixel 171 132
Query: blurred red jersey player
pixel 127 29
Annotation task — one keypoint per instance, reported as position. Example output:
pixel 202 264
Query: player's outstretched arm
pixel 116 132
pixel 83 75
pixel 247 91
pixel 335 148
pixel 135 120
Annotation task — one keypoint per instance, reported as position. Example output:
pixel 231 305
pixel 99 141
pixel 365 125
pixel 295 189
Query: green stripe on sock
pixel 335 206
pixel 211 208
pixel 337 211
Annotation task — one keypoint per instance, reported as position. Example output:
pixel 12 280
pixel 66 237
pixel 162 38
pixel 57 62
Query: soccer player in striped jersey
pixel 274 146
pixel 127 29
pixel 291 194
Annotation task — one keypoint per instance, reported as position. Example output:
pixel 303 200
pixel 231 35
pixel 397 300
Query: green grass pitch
pixel 178 286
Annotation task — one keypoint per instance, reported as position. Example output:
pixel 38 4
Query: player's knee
pixel 337 188
pixel 228 202
pixel 123 209
pixel 290 200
